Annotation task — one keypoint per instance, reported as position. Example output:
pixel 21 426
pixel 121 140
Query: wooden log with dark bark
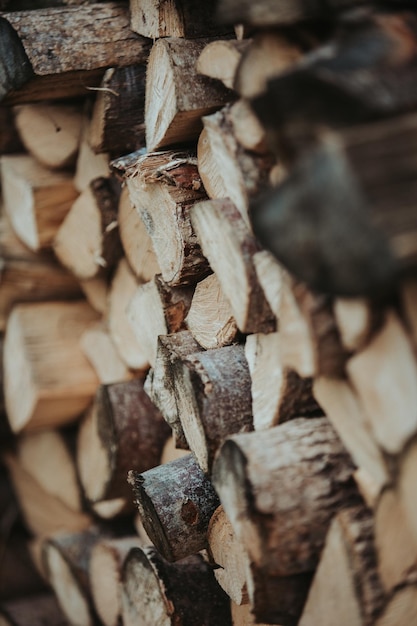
pixel 16 68
pixel 177 594
pixel 176 95
pixel 123 431
pixel 69 48
pixel 175 502
pixel 163 186
pixel 282 533
pixel 37 610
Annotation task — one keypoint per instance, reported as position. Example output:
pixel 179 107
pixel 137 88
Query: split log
pixel 35 199
pixel 357 320
pixel 282 533
pixel 163 186
pixel 242 615
pixel 88 242
pixel 226 168
pixel 289 396
pixel 228 554
pixel 171 349
pixel 175 502
pixel 16 68
pixel 136 242
pixel 48 381
pixel 270 277
pixel 69 48
pixel 213 392
pixel 389 394
pixel 346 589
pixel 96 293
pixel 230 247
pixel 50 133
pixel 110 509
pixel 67 558
pixel 101 352
pixel 123 287
pixel 345 411
pixel 210 319
pixel 123 431
pixel 247 129
pixel 157 309
pixel 180 594
pixel 89 165
pixel 117 123
pixel 36 610
pixel 407 472
pixel 220 59
pixel 180 18
pixel 106 564
pixel 176 95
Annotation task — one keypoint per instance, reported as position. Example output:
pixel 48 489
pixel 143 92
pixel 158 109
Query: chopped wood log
pixel 101 352
pixel 123 431
pixel 136 242
pixel 36 199
pixel 389 394
pixel 242 615
pixel 290 396
pixel 110 509
pixel 180 18
pixel 401 606
pixel 213 392
pixel 229 246
pixel 69 48
pixel 67 558
pixel 171 349
pixel 220 59
pixel 259 477
pixel 89 165
pixel 50 133
pixel 175 502
pixel 176 95
pixel 48 380
pixel 395 542
pixel 181 593
pixel 36 610
pixel 117 123
pixel 247 128
pixel 29 277
pixel 346 589
pixel 226 168
pixel 357 320
pixel 368 487
pixel 163 186
pixel 210 319
pixel 88 242
pixel 228 554
pixel 96 293
pixel 44 513
pixel 345 411
pixel 406 480
pixel 106 564
pixel 270 277
pixel 157 309
pixel 16 68
pixel 123 287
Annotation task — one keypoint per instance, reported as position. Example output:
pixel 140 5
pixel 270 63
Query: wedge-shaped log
pixel 36 609
pixel 176 95
pixel 123 431
pixel 220 59
pixel 89 165
pixel 48 380
pixel 175 502
pixel 213 391
pixel 101 352
pixel 259 477
pixel 163 186
pixel 229 246
pixel 183 594
pixel 36 199
pixel 69 47
pixel 88 242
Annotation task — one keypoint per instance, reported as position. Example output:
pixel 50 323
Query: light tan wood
pixel 96 293
pixel 110 509
pixel 123 288
pixel 406 483
pixel 170 452
pixel 220 59
pixel 356 321
pixel 401 608
pixel 229 246
pixel 35 199
pixel 368 487
pixel 384 375
pixel 89 165
pixel 50 133
pixel 210 319
pixel 48 380
pixel 208 167
pixel 98 347
pixel 176 96
pixel 246 127
pixel 135 240
pixel 242 615
pixel 270 275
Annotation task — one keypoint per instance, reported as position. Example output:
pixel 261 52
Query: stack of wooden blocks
pixel 208 313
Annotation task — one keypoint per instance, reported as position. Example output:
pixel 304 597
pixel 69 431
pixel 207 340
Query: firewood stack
pixel 208 313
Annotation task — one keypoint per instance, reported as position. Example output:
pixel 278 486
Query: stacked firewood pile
pixel 208 313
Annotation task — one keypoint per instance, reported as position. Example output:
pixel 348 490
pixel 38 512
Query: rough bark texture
pixel 176 502
pixel 15 68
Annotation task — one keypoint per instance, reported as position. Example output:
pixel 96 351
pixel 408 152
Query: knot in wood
pixel 189 513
